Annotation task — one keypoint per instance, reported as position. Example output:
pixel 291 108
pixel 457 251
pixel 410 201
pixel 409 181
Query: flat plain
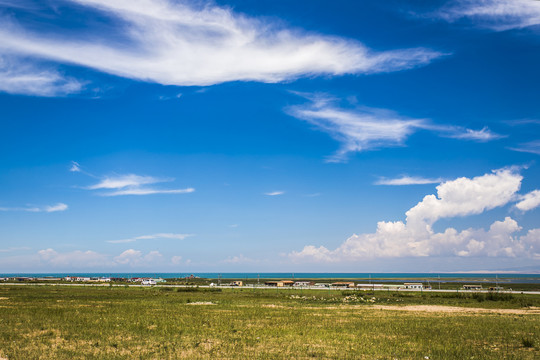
pixel 65 322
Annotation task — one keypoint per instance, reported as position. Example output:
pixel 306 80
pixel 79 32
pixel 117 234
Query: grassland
pixel 53 322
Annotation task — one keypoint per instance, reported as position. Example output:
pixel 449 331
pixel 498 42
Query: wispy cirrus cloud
pixel 159 236
pixel 48 209
pixel 197 43
pixel 274 193
pixel 532 147
pixel 356 129
pixel 407 180
pixel 132 184
pixel 75 167
pixel 498 15
pixel 21 76
pixel 12 249
pixel 364 128
pixel 482 135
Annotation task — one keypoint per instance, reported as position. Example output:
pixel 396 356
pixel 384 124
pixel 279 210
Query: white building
pixel 414 286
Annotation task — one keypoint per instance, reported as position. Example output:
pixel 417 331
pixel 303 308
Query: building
pixel 322 285
pixel 414 286
pixel 148 282
pixel 303 283
pixel 344 284
pixel 237 283
pixel 279 283
pixel 472 287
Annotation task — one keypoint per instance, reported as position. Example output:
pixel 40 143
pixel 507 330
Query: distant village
pixel 146 281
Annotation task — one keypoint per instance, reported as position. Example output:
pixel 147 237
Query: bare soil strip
pixel 455 309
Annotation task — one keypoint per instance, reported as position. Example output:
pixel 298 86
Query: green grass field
pixel 57 322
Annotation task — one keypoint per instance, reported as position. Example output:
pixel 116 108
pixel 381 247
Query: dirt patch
pixel 3 298
pixel 201 303
pixel 272 306
pixel 455 309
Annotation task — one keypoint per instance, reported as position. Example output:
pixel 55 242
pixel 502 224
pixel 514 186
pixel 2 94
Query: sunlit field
pixel 48 322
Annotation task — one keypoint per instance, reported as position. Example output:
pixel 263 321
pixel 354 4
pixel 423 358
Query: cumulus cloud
pixel 176 260
pixel 364 128
pixel 74 258
pixel 415 237
pixel 465 196
pixel 529 201
pixel 199 43
pixel 498 15
pixel 407 180
pixel 91 259
pixel 132 184
pixel 136 258
pixel 152 237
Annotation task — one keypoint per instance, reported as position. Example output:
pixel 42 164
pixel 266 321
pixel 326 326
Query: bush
pixel 528 343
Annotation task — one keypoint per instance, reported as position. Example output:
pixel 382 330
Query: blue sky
pixel 185 136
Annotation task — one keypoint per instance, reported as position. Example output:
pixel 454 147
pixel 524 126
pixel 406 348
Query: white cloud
pixel 57 207
pixel 78 259
pixel 529 201
pixel 11 249
pixel 136 258
pixel 132 184
pixel 407 180
pixel 416 238
pixel 48 209
pixel 199 43
pixel 532 147
pixel 176 260
pixel 481 135
pixel 465 196
pixel 240 259
pixel 122 181
pixel 498 15
pixel 274 193
pixel 152 237
pixel 75 167
pixel 357 130
pixel 20 76
pixel 147 191
pixel 75 259
pixel 363 128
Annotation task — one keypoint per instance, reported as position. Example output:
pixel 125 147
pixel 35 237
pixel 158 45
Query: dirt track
pixel 455 309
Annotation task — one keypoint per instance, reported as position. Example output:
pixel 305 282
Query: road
pixel 262 287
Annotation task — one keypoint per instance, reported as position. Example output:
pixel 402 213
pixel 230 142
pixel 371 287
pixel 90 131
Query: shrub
pixel 528 343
